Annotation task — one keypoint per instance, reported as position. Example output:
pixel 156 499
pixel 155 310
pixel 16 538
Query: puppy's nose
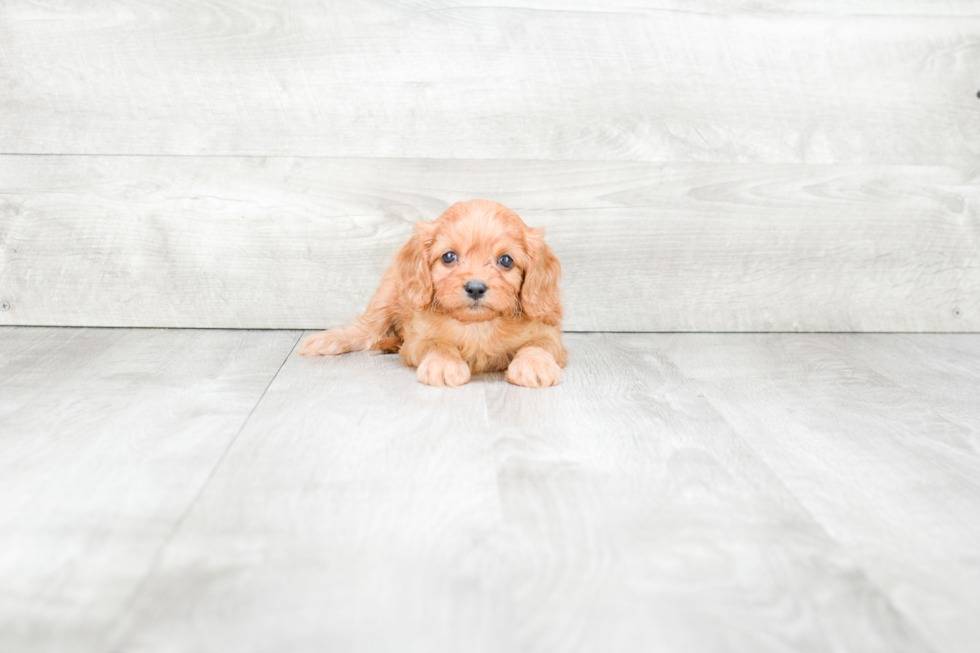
pixel 475 289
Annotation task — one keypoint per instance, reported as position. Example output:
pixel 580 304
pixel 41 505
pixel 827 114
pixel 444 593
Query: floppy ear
pixel 540 295
pixel 412 264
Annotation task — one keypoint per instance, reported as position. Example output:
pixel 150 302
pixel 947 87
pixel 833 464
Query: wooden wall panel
pixel 701 165
pixel 799 82
pixel 301 243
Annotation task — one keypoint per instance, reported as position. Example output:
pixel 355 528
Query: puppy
pixel 474 291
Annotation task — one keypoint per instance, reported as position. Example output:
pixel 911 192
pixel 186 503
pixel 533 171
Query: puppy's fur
pixel 423 311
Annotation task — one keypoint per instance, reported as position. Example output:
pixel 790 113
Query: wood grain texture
pixel 361 511
pixel 353 515
pixel 805 82
pixel 878 437
pixel 106 437
pixel 692 493
pixel 293 242
pixel 642 521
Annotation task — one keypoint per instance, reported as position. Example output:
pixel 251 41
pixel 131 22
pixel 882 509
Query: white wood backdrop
pixel 698 165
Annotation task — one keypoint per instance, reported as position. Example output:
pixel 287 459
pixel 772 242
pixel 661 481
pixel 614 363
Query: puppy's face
pixel 477 259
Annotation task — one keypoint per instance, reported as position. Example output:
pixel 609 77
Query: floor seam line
pixel 178 524
pixel 909 621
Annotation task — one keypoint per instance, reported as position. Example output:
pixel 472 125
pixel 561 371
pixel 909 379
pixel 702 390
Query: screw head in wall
pixel 4 306
pixel 957 312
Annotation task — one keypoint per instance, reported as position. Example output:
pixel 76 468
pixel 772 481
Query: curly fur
pixel 422 311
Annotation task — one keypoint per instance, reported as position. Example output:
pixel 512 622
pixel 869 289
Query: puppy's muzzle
pixel 475 289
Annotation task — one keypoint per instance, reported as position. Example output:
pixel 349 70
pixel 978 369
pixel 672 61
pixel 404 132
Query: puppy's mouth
pixel 473 311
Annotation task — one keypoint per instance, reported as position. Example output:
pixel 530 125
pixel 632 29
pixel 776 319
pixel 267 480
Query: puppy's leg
pixel 337 341
pixel 534 367
pixel 376 324
pixel 439 364
pixel 443 369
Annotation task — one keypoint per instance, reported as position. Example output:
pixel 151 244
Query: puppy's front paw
pixel 533 367
pixel 441 370
pixel 326 343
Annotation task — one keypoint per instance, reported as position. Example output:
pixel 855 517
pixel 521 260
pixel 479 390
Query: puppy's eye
pixel 449 258
pixel 505 262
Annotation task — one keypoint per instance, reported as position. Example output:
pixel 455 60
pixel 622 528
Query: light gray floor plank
pixel 361 511
pixel 878 436
pixel 639 520
pixel 352 514
pixel 687 493
pixel 106 437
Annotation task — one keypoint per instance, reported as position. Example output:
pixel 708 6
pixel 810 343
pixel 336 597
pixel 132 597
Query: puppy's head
pixel 479 261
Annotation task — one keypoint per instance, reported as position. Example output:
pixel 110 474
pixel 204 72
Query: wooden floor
pixel 206 490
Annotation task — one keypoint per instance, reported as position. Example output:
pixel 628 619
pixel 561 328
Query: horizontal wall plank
pixel 709 81
pixel 301 243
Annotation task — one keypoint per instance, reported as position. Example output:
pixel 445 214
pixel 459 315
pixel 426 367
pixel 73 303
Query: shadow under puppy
pixel 475 290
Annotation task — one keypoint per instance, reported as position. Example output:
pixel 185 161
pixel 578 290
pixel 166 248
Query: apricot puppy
pixel 475 290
